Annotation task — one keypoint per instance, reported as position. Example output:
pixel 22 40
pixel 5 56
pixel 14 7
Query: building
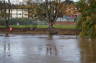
pixel 19 13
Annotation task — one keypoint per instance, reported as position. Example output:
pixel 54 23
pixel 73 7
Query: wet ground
pixel 46 49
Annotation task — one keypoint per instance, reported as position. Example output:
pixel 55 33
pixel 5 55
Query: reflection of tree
pixel 7 45
pixel 88 51
pixel 50 36
pixel 51 47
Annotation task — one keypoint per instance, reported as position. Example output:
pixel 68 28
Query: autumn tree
pixel 87 22
pixel 48 11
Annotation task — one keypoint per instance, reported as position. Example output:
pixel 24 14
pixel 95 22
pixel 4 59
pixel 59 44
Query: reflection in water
pixel 6 45
pixel 4 48
pixel 41 50
pixel 88 50
pixel 49 49
pixel 50 37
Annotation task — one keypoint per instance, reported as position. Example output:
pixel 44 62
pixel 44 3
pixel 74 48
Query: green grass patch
pixel 42 26
pixel 2 26
pixel 67 26
pixel 30 26
pixel 23 26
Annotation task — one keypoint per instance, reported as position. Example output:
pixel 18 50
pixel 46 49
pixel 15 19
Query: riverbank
pixel 42 31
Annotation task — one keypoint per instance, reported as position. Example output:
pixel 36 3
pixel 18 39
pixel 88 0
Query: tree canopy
pixel 87 22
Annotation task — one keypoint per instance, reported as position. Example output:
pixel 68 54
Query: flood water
pixel 46 49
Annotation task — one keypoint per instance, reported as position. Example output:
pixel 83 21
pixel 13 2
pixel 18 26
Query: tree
pixel 87 22
pixel 48 11
pixel 3 8
pixel 52 11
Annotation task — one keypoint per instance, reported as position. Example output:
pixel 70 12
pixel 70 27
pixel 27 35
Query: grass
pixel 23 26
pixel 42 26
pixel 2 26
pixel 67 26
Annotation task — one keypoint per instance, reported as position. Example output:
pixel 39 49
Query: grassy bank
pixel 2 26
pixel 66 26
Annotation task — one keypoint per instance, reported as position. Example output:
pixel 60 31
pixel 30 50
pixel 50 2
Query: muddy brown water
pixel 46 49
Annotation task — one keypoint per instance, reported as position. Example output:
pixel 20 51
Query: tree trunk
pixel 50 24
